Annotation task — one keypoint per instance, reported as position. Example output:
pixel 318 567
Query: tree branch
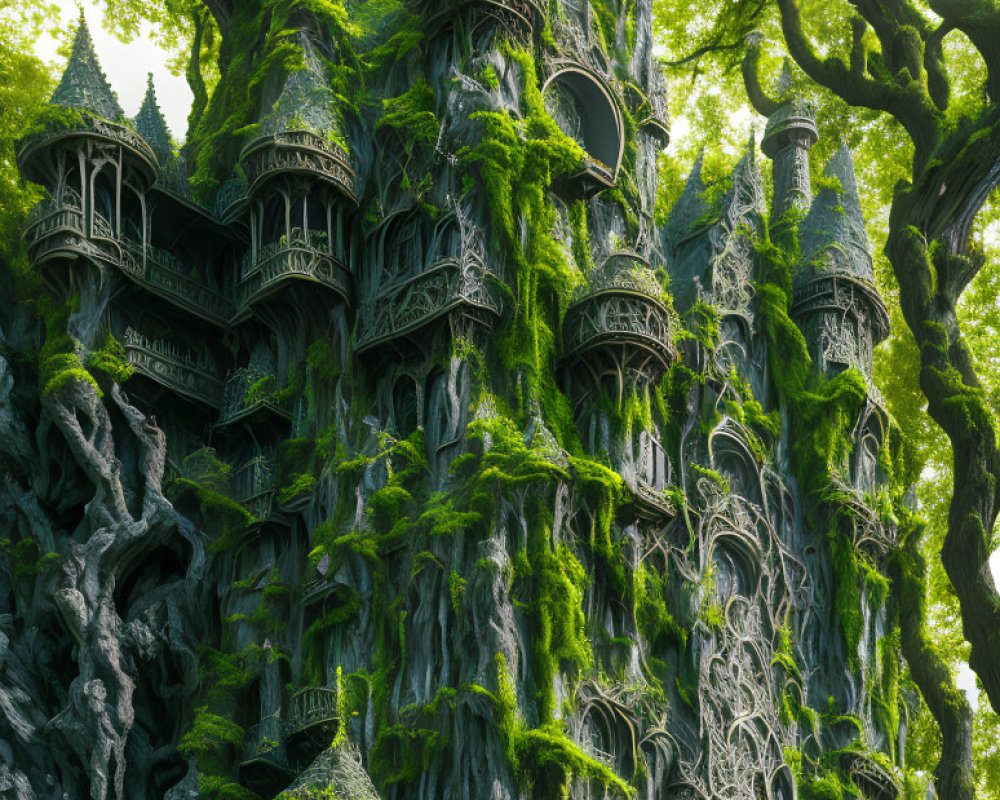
pixel 953 776
pixel 222 10
pixel 903 98
pixel 980 21
pixel 759 99
pixel 193 72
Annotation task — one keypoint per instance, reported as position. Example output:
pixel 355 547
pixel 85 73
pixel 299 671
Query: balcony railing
pixel 173 367
pixel 620 321
pixel 650 502
pixel 164 275
pixel 264 764
pixel 88 127
pixel 56 227
pixel 407 306
pixel 312 712
pixel 247 392
pixel 298 152
pixel 294 261
pixel 254 484
pixel 518 16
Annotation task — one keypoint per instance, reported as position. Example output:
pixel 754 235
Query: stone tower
pixel 387 445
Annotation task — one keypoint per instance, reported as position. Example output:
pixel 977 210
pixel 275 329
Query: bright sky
pixel 126 65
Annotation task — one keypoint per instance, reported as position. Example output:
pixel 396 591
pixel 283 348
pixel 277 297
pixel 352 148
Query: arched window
pixel 586 111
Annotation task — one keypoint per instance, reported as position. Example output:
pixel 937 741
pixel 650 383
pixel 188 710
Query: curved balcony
pixel 405 307
pixel 621 316
pixel 172 367
pixel 837 292
pixel 590 178
pixel 312 717
pixel 92 128
pixel 280 263
pixel 297 153
pixel 56 229
pixel 519 17
pixel 874 781
pixel 162 274
pixel 264 765
pixel 252 395
pixel 649 502
pixel 254 486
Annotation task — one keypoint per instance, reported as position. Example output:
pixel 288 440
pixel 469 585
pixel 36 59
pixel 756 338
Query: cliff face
pixel 403 452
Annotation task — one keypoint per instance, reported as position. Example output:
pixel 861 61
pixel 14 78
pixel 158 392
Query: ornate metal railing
pixel 447 285
pixel 279 262
pixel 617 318
pixel 232 192
pixel 173 367
pixel 92 127
pixel 56 226
pixel 248 391
pixel 297 152
pixel 312 710
pixel 650 500
pixel 518 16
pixel 254 484
pixel 162 274
pixel 623 271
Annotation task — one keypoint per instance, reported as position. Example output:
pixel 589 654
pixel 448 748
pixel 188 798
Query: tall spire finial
pixel 150 124
pixel 834 230
pixel 84 85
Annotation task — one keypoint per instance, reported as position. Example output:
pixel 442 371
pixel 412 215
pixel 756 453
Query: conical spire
pixel 150 124
pixel 83 85
pixel 305 103
pixel 691 205
pixel 833 235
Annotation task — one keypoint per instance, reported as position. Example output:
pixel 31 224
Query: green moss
pixel 210 737
pixel 60 362
pixel 111 360
pixel 544 758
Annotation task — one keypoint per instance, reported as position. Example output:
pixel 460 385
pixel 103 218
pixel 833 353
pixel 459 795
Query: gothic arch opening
pixel 586 111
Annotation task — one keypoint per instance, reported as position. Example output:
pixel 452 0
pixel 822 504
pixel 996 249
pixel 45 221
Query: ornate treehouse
pixel 301 189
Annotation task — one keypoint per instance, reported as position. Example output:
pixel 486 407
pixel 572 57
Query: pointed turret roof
pixel 744 194
pixel 691 205
pixel 150 125
pixel 833 237
pixel 84 85
pixel 306 102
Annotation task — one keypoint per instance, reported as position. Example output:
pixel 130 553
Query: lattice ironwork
pixel 874 781
pixel 173 367
pixel 297 152
pixel 632 329
pixel 33 150
pixel 248 392
pixel 518 18
pixel 450 284
pixel 279 263
pixel 254 485
pixel 164 275
pixel 312 714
